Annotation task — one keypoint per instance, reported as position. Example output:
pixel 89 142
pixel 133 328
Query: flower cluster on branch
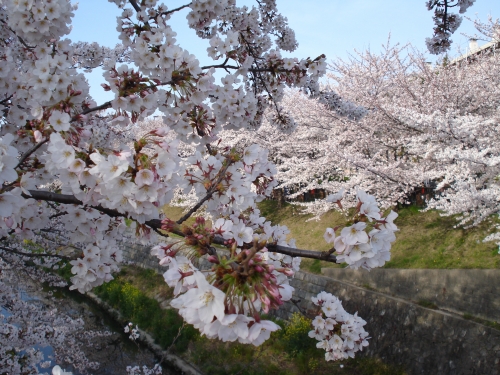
pixel 76 176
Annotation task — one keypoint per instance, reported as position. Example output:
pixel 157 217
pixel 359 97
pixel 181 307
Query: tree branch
pixel 156 225
pixel 98 108
pixel 28 153
pixel 206 197
pixel 6 99
pixel 175 10
pixel 134 4
pixel 313 254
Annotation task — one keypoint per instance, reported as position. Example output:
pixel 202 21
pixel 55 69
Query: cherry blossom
pixel 79 176
pixel 340 334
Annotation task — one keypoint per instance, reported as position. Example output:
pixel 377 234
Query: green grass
pixel 135 305
pixel 488 323
pixel 288 351
pixel 424 239
pixel 428 240
pixel 427 304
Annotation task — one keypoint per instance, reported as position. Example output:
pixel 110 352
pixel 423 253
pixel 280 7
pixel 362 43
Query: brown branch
pixel 175 10
pixel 52 197
pixel 156 225
pixel 251 70
pixel 134 4
pixel 28 153
pixel 210 192
pixel 88 110
pixel 223 65
pixel 312 254
pixel 196 207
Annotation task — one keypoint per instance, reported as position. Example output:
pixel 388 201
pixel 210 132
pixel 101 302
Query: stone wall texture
pixel 420 340
pixel 474 292
pixel 140 255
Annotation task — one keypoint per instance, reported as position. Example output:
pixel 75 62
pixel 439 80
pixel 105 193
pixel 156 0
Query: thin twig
pixel 178 335
pixel 28 153
pixel 210 192
pixel 175 10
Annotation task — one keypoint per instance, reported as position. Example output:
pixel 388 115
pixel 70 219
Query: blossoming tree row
pixel 394 124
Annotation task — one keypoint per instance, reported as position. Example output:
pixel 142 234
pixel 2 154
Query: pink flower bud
pixel 265 299
pixel 274 292
pixel 213 259
pixel 286 271
pixel 265 308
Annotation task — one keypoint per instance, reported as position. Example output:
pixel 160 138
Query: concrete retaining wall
pixel 474 292
pixel 421 340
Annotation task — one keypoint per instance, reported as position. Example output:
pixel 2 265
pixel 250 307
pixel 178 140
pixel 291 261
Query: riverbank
pixel 173 362
pixel 141 296
pixel 425 240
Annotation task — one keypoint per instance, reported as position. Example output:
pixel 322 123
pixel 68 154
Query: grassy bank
pixel 424 239
pixel 138 293
pixel 135 294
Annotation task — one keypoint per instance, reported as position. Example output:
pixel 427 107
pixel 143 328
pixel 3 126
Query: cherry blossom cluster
pixel 92 55
pixel 446 23
pixel 339 333
pixel 366 243
pixel 144 370
pixel 78 176
pixel 38 20
pixel 342 107
pixel 426 126
pixel 226 302
pixel 57 370
pixel 134 332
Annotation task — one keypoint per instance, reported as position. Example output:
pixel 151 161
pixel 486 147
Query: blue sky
pixel 333 27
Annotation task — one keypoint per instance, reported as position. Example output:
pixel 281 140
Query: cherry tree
pixel 394 123
pixel 76 177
